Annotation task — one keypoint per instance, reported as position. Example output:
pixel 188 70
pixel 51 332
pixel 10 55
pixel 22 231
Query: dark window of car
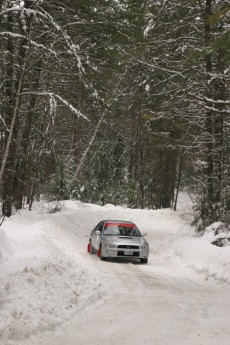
pixel 99 227
pixel 122 229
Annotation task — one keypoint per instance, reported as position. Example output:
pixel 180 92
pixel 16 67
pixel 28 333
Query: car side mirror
pixel 97 232
pixel 144 234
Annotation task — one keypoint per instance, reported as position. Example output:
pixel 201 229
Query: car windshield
pixel 121 229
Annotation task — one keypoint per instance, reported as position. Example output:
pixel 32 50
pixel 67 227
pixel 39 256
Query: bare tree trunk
pixel 13 121
pixel 209 114
pixel 8 162
pixel 1 3
pixel 31 196
pixel 211 206
pixel 83 158
pixel 21 177
pixel 178 180
pixel 7 170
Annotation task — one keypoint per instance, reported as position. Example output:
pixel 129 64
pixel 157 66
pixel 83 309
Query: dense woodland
pixel 116 101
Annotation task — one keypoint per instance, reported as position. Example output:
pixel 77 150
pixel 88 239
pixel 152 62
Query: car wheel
pixel 90 248
pixel 144 261
pixel 100 253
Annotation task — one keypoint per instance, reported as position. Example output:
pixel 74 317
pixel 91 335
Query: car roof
pixel 117 221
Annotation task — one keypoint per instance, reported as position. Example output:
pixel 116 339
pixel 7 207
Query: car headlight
pixel 145 245
pixel 110 245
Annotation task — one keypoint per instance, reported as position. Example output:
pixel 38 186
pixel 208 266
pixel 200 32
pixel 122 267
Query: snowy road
pixel 147 308
pixel 161 303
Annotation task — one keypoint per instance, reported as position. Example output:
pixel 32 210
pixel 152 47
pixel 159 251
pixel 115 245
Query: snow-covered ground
pixel 53 292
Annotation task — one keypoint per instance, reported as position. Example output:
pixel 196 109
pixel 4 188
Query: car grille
pixel 124 246
pixel 122 253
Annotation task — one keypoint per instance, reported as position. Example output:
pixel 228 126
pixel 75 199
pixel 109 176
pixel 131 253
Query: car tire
pixel 144 261
pixel 100 254
pixel 91 248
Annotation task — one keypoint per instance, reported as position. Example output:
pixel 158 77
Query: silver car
pixel 118 239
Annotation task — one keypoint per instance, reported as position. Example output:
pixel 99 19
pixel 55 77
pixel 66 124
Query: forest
pixel 116 101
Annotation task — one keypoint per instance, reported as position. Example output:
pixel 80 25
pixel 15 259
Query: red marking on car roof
pixel 128 225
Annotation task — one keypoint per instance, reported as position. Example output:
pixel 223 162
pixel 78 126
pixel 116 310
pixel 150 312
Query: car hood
pixel 125 239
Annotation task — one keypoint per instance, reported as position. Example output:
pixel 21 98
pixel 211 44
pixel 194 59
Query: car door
pixel 98 236
pixel 95 238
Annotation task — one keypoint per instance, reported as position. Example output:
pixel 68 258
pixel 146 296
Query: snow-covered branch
pixel 73 48
pixel 224 111
pixel 210 100
pixel 38 45
pixel 52 95
pixel 155 66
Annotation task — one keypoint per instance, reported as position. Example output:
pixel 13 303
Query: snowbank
pixel 5 249
pixel 202 254
pixel 42 297
pixel 40 286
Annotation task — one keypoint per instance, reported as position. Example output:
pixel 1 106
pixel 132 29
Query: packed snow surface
pixel 53 292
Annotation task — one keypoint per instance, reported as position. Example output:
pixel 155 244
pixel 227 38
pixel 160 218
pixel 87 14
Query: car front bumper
pixel 125 253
